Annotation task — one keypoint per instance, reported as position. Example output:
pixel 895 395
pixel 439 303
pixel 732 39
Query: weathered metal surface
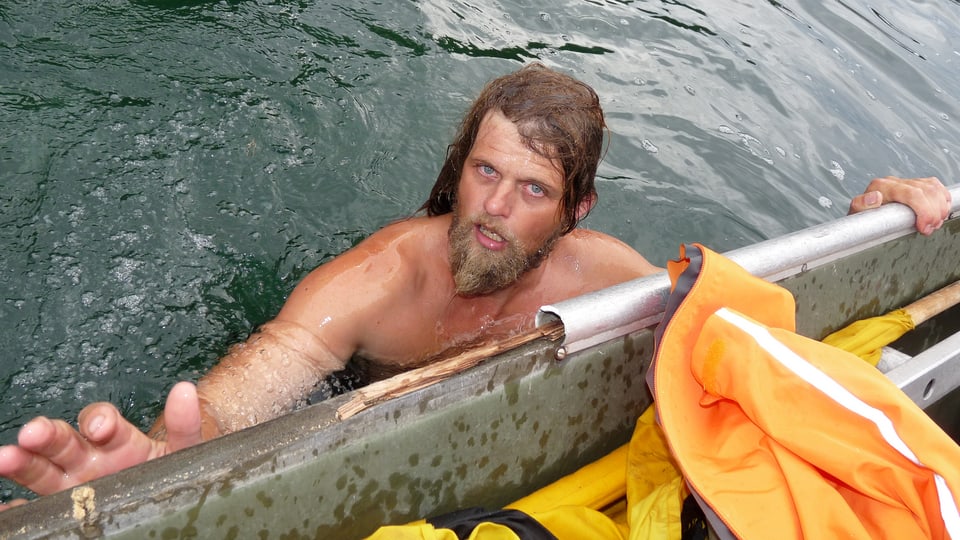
pixel 932 374
pixel 876 280
pixel 484 437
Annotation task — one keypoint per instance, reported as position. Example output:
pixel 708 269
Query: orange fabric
pixel 676 267
pixel 770 452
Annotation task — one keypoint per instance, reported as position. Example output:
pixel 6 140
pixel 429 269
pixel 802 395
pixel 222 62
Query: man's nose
pixel 499 201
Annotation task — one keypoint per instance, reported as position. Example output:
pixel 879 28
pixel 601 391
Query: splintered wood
pixel 415 379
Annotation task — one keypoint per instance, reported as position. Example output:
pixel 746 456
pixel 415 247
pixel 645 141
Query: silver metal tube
pixel 613 312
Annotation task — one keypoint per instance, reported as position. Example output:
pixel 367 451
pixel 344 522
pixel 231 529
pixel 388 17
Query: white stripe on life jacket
pixel 843 397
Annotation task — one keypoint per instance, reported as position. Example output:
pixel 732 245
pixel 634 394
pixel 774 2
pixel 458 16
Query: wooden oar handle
pixel 415 379
pixel 934 303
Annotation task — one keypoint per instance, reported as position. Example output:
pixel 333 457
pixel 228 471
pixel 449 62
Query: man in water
pixel 496 240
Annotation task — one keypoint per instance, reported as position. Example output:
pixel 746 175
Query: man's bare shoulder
pixel 417 230
pixel 604 256
pixel 402 238
pixel 355 300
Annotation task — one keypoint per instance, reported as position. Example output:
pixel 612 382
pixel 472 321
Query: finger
pixel 119 443
pixel 930 201
pixel 57 442
pixel 32 471
pixel 866 201
pixel 182 417
pixel 11 504
pixel 100 422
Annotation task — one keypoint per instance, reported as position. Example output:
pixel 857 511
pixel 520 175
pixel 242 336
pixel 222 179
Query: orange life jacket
pixel 780 436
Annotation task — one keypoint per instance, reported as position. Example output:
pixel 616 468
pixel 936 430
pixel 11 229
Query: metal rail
pixel 616 311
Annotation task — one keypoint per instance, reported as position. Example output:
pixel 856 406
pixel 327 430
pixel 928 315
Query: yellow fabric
pixel 424 531
pixel 580 523
pixel 655 489
pixel 866 338
pixel 594 486
pixel 642 470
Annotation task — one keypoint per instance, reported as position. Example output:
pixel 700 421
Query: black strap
pixel 462 523
pixel 693 524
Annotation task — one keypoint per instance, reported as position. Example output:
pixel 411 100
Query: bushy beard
pixel 477 270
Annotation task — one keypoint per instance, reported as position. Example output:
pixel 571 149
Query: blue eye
pixel 487 170
pixel 535 189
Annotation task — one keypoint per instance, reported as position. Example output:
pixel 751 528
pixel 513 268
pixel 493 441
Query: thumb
pixel 181 416
pixel 866 201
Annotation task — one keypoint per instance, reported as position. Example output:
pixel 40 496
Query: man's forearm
pixel 266 376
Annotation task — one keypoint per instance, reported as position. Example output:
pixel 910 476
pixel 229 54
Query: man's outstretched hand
pixel 928 198
pixel 51 456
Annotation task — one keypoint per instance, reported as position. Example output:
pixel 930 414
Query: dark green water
pixel 170 169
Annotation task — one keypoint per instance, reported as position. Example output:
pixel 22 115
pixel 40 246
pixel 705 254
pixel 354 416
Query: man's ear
pixel 585 205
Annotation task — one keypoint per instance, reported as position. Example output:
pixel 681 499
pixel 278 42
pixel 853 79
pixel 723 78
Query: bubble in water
pixel 125 268
pixel 130 303
pixel 201 241
pixel 825 202
pixel 649 146
pixel 836 170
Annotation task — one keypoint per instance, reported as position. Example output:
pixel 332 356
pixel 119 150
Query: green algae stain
pixel 264 499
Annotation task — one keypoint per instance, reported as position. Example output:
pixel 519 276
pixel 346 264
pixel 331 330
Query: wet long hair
pixel 557 116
